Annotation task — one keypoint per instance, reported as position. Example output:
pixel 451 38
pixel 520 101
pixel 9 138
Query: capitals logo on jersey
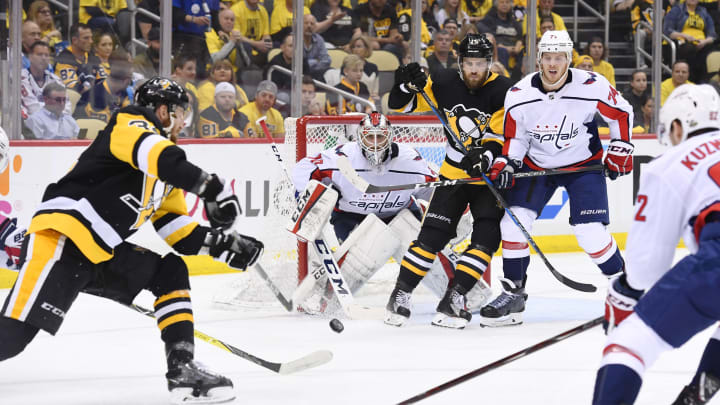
pixel 554 133
pixel 469 123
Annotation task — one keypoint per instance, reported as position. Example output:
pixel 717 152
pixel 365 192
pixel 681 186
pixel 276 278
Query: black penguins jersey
pixel 129 174
pixel 477 117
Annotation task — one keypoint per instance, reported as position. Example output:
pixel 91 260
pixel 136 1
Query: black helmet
pixel 158 91
pixel 475 46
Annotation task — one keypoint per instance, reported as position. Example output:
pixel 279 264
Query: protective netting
pixel 285 260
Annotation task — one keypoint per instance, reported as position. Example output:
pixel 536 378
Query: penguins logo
pixel 470 123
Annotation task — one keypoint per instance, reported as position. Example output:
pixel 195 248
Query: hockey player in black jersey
pixel 132 172
pixel 471 98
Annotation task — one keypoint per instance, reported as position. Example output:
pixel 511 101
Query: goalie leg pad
pixel 315 204
pixel 441 272
pixel 406 227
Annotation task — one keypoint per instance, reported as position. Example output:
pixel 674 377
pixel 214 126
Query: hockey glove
pixel 502 172
pixel 618 159
pixel 238 251
pixel 620 302
pixel 11 239
pixel 411 76
pixel 477 161
pixel 221 203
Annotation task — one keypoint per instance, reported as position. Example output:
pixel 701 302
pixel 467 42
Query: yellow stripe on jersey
pixel 124 137
pixel 479 253
pixel 169 296
pixel 177 230
pixel 424 253
pixel 75 231
pixel 175 319
pixel 44 250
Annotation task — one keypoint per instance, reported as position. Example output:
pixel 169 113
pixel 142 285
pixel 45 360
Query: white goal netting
pixel 286 260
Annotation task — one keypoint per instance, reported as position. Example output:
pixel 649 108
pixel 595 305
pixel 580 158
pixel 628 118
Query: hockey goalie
pixel 371 228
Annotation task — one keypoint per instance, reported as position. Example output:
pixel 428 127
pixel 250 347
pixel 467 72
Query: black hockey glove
pixel 221 203
pixel 620 302
pixel 477 161
pixel 412 76
pixel 238 251
pixel 502 172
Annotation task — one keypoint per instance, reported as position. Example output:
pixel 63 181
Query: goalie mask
pixel 695 107
pixel 375 138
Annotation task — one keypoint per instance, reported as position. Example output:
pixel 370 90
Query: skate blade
pixel 507 320
pixel 219 395
pixel 451 322
pixel 394 319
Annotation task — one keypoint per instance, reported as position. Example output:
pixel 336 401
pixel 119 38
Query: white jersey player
pixel 549 123
pixel 679 196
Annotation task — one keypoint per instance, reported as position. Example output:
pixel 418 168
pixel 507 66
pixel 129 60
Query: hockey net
pixel 286 260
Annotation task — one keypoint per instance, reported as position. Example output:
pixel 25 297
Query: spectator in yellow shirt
pixel 281 20
pixel 263 106
pixel 100 14
pixel 253 22
pixel 680 75
pixel 545 10
pixel 226 43
pixel 221 71
pixel 597 51
pixel 222 119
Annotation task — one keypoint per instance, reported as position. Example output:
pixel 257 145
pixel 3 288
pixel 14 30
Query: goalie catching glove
pixel 237 251
pixel 477 161
pixel 221 203
pixel 618 159
pixel 410 77
pixel 620 302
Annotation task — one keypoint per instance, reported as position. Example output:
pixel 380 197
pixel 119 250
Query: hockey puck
pixel 336 325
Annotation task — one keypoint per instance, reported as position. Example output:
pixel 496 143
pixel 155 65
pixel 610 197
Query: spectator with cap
pixel 148 62
pixel 221 71
pixel 222 119
pixel 584 62
pixel 52 121
pixel 263 106
pixel 109 95
pixel 452 27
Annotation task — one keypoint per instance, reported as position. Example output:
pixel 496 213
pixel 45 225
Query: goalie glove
pixel 502 172
pixel 620 302
pixel 410 77
pixel 236 250
pixel 477 161
pixel 221 203
pixel 618 159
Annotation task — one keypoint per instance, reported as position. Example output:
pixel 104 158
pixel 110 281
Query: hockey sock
pixel 173 312
pixel 516 269
pixel 616 384
pixel 415 265
pixel 613 265
pixel 710 361
pixel 471 266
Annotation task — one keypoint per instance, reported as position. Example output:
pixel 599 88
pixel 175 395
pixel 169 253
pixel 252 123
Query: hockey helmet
pixel 4 150
pixel 695 107
pixel 475 46
pixel 161 91
pixel 555 41
pixel 375 137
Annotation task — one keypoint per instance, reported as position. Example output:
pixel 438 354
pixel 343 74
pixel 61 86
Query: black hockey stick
pixel 505 360
pixel 363 185
pixel 286 303
pixel 559 276
pixel 311 360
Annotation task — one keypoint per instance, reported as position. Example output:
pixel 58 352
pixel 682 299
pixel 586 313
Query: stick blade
pixel 312 360
pixel 351 175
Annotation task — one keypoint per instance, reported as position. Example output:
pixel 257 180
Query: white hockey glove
pixel 237 251
pixel 620 302
pixel 618 159
pixel 221 203
pixel 11 238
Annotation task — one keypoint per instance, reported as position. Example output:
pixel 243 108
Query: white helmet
pixel 694 106
pixel 375 137
pixel 4 150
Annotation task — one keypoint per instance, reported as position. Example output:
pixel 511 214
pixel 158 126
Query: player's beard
pixel 474 82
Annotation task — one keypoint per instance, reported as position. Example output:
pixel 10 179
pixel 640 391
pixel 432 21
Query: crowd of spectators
pixel 222 51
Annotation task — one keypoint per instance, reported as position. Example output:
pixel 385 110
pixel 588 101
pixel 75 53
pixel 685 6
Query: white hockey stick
pixel 287 303
pixel 340 286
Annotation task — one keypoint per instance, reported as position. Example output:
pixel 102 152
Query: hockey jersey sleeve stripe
pixel 149 152
pixel 177 229
pixel 510 129
pixel 496 121
pixel 622 118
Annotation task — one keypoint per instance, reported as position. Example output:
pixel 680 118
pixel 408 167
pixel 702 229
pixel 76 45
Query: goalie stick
pixel 363 185
pixel 311 360
pixel 559 276
pixel 505 360
pixel 338 282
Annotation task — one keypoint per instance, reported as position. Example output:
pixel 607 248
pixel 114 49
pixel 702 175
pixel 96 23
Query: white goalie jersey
pixel 405 165
pixel 677 192
pixel 557 129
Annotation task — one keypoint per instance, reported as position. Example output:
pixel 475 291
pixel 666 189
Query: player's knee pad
pixel 171 275
pixel 514 244
pixel 14 337
pixel 634 344
pixel 597 242
pixel 367 249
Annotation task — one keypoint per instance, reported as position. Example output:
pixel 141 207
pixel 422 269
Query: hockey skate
pixel 191 383
pixel 507 308
pixel 451 310
pixel 700 393
pixel 398 307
